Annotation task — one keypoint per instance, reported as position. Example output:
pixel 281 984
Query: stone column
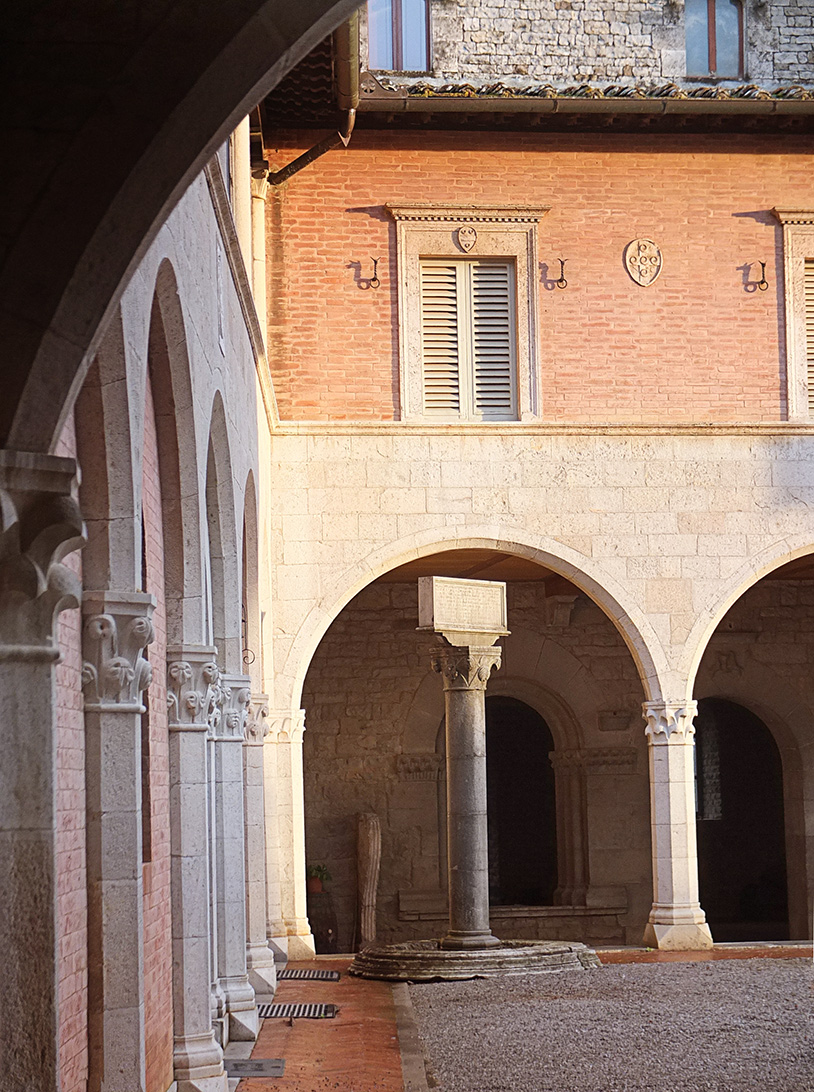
pixel 276 935
pixel 192 675
pixel 39 524
pixel 230 732
pixel 572 843
pixel 676 921
pixel 465 671
pixel 287 730
pixel 259 957
pixel 259 190
pixel 114 674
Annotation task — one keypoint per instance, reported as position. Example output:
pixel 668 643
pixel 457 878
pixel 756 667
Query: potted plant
pixel 316 876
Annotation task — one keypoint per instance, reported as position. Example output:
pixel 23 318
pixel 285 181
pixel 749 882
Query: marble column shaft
pixel 676 920
pixel 40 523
pixel 228 738
pixel 192 676
pixel 286 730
pixel 465 671
pixel 259 957
pixel 115 672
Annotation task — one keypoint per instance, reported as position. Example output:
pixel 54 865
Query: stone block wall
pixel 596 41
pixel 700 344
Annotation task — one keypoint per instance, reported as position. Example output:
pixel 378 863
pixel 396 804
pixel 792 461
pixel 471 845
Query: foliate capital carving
pixel 40 523
pixel 669 721
pixel 260 187
pixel 286 727
pixel 192 687
pixel 118 628
pixel 256 727
pixel 234 695
pixel 465 667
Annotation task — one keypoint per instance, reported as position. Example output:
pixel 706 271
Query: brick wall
pixel 627 41
pixel 72 942
pixel 158 1017
pixel 700 344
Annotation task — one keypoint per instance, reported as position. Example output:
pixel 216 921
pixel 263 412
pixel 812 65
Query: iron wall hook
pixel 374 281
pixel 762 284
pixel 562 282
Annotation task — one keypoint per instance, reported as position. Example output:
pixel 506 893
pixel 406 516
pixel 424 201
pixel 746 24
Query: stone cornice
pixel 795 216
pixel 493 214
pixel 543 428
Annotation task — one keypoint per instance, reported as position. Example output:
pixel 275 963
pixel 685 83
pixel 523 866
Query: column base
pixel 198 1064
pixel 301 946
pixel 686 937
pixel 460 941
pixel 262 969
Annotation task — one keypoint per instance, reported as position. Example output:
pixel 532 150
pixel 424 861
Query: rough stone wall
pixel 700 344
pixel 594 41
pixel 361 753
pixel 72 915
pixel 156 873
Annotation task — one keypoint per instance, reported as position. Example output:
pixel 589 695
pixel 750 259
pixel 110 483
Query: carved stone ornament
pixel 235 695
pixel 643 261
pixel 465 668
pixel 467 237
pixel 286 727
pixel 256 727
pixel 419 767
pixel 117 630
pixel 669 721
pixel 40 523
pixel 192 688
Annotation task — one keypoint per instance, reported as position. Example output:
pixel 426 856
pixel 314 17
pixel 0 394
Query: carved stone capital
pixel 192 687
pixel 465 667
pixel 286 727
pixel 256 727
pixel 40 523
pixel 234 696
pixel 260 187
pixel 669 721
pixel 117 630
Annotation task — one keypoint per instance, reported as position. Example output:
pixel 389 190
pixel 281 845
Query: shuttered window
pixel 808 288
pixel 468 339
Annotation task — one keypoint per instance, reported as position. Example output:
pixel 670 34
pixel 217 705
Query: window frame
pixel 798 247
pixel 712 45
pixel 397 39
pixel 503 233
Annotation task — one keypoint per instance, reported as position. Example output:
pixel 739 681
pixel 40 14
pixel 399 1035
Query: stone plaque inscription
pixel 450 605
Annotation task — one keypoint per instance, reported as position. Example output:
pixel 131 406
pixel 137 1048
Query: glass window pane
pixel 380 34
pixel 414 35
pixel 727 38
pixel 697 37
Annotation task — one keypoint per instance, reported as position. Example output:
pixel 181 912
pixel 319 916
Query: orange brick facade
pixel 701 344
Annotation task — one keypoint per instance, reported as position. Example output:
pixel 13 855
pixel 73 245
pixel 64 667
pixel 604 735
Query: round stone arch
pixel 218 513
pixel 750 573
pixel 609 596
pixel 788 716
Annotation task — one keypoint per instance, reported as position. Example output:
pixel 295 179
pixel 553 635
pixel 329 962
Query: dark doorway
pixel 741 836
pixel 522 815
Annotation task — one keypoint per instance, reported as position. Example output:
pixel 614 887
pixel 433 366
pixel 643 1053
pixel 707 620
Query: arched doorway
pixel 741 830
pixel 521 805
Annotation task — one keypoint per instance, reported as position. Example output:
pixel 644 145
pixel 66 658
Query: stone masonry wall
pixel 700 344
pixel 596 41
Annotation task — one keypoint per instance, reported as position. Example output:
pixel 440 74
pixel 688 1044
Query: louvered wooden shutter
pixel 468 339
pixel 493 340
pixel 808 282
pixel 439 339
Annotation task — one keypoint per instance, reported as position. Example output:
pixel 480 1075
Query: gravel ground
pixel 726 1026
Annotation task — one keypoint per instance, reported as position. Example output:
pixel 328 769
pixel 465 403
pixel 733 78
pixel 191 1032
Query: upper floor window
pixel 398 35
pixel 714 35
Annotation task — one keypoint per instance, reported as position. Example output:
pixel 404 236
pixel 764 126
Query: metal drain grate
pixel 299 1011
pixel 310 975
pixel 255 1067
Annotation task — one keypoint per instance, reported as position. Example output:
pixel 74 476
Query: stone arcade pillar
pixel 192 675
pixel 465 671
pixel 259 957
pixel 114 674
pixel 241 1010
pixel 286 731
pixel 39 524
pixel 572 843
pixel 276 935
pixel 676 921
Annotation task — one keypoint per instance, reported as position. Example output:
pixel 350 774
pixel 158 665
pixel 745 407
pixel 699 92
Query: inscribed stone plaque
pixel 464 611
